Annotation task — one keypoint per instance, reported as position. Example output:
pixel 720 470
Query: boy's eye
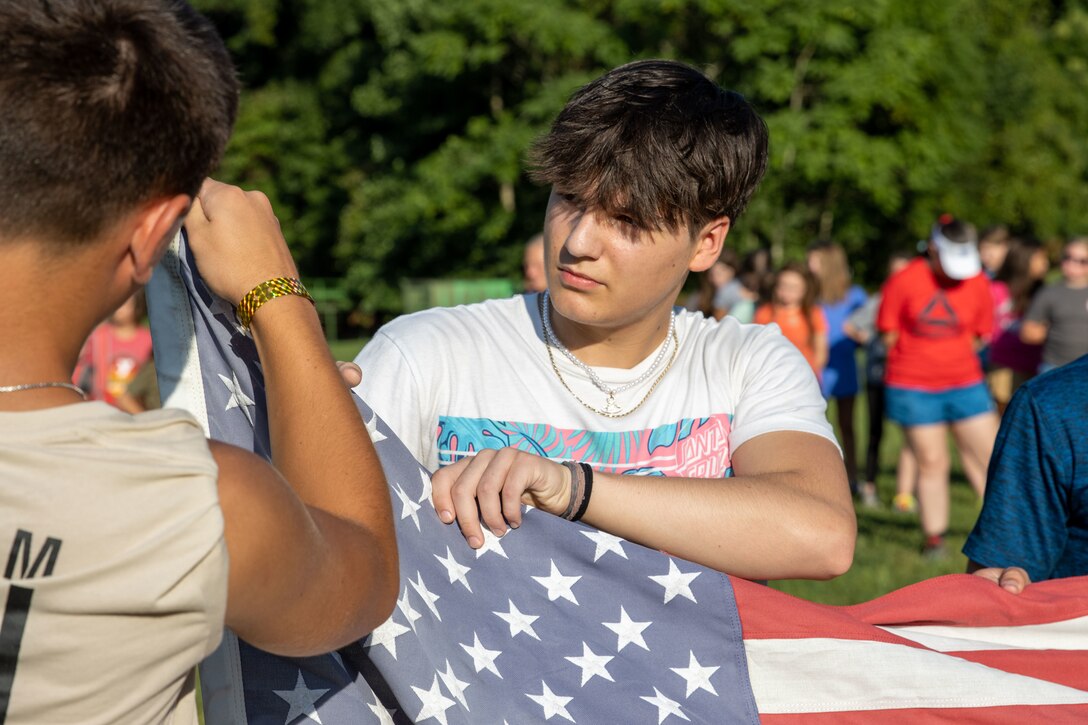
pixel 569 198
pixel 626 219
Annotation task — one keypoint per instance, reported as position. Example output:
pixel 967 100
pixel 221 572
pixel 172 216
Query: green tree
pixel 391 134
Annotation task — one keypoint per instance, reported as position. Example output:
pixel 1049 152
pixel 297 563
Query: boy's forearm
pixel 779 524
pixel 319 441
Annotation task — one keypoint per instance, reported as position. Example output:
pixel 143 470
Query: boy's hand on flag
pixel 236 240
pixel 490 488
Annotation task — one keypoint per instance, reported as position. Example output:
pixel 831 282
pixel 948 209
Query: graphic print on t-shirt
pixel 693 448
pixel 938 319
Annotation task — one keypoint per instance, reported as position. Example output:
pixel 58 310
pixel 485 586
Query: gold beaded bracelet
pixel 265 291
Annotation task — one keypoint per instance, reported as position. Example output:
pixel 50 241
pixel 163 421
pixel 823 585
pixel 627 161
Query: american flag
pixel 558 622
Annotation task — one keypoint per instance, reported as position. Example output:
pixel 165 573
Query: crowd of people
pixel 948 338
pixel 135 540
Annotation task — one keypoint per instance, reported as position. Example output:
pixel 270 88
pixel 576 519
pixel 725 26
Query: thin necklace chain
pixel 611 409
pixel 549 333
pixel 36 386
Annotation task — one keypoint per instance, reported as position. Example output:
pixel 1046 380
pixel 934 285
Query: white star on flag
pixel 628 631
pixel 455 569
pixel 428 597
pixel 238 399
pixel 557 584
pixel 676 583
pixel 491 543
pixel 553 704
pixel 697 676
pixel 592 665
pixel 606 543
pixel 665 707
pixel 454 685
pixel 425 479
pixel 302 700
pixel 518 621
pixel 482 658
pixel 434 703
pixel 405 607
pixel 386 635
pixel 376 436
pixel 409 508
pixel 385 717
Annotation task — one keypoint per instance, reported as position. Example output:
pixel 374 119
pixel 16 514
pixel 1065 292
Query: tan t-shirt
pixel 115 568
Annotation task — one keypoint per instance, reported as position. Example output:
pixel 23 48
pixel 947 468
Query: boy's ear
pixel 153 229
pixel 708 245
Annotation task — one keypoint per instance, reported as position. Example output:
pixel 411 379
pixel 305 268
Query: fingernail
pixel 446 516
pixel 514 524
pixel 498 532
pixel 474 542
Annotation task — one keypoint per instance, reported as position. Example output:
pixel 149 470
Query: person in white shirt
pixel 596 399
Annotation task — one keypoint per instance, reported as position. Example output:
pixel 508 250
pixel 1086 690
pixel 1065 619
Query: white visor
pixel 959 260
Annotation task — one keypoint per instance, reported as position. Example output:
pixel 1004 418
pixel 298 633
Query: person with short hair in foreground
pixel 131 540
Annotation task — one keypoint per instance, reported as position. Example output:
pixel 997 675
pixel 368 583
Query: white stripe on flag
pixel 837 675
pixel 177 364
pixel 1068 635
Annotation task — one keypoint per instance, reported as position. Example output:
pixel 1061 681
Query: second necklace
pixel 611 408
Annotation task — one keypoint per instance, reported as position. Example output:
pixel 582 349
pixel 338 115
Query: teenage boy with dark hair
pixel 117 529
pixel 649 166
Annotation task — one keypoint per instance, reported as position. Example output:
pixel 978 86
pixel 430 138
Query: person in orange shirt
pixel 793 308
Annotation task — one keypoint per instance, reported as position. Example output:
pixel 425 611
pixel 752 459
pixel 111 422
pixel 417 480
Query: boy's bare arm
pixel 313 563
pixel 786 513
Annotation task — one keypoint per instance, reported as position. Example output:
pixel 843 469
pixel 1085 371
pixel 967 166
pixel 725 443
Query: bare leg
pixel 929 444
pixel 975 440
pixel 849 438
pixel 906 472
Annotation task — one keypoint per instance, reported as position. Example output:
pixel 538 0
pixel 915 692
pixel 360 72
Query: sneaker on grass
pixel 905 503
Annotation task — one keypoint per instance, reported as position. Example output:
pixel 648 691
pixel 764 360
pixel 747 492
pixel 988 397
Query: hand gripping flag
pixel 558 622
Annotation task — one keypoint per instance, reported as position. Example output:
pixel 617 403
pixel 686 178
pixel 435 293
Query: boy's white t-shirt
pixel 452 381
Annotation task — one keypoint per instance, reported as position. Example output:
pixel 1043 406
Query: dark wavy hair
pixel 106 104
pixel 1015 272
pixel 658 141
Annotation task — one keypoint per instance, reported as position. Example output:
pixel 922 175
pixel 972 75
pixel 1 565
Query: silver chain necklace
pixel 611 408
pixel 36 386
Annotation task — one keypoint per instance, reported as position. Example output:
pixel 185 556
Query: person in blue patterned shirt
pixel 1034 519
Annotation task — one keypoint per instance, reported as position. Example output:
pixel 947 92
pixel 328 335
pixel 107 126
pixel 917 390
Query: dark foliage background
pixel 390 134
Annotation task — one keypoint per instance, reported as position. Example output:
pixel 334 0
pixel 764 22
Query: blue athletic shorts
pixel 908 407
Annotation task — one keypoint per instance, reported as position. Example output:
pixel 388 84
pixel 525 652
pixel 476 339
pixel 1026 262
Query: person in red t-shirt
pixel 114 353
pixel 934 314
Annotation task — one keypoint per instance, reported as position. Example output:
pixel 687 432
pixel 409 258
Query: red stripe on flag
pixel 967 600
pixel 952 600
pixel 1065 667
pixel 1009 715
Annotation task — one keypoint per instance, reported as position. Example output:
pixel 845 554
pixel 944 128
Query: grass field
pixel 346 349
pixel 888 552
